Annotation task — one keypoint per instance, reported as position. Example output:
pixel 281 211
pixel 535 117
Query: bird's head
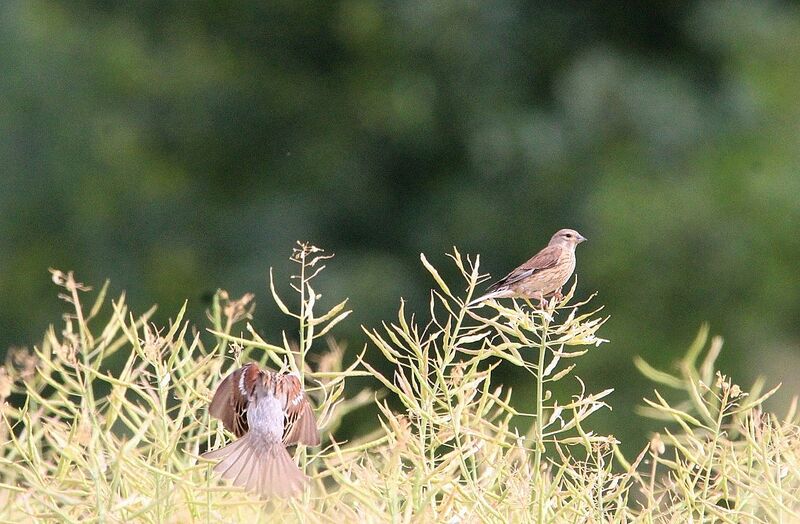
pixel 567 237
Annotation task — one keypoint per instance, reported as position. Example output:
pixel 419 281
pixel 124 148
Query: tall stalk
pixel 539 433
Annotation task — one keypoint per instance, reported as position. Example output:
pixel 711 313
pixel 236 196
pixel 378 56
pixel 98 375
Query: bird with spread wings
pixel 267 411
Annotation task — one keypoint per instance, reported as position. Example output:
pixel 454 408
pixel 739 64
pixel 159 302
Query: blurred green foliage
pixel 178 148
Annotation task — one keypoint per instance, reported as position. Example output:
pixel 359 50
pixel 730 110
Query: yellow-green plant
pixel 106 418
pixel 726 460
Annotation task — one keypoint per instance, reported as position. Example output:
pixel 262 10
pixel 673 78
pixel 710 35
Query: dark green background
pixel 180 147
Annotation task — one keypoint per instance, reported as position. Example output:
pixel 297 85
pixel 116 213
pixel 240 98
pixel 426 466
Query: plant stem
pixel 537 457
pixel 709 467
pixel 301 366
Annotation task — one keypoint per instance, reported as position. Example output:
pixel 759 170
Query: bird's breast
pixel 266 419
pixel 564 270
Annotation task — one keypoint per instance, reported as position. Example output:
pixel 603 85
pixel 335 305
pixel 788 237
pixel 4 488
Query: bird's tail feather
pixel 500 293
pixel 267 470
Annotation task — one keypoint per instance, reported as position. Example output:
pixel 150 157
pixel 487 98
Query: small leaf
pixel 656 375
pixel 277 299
pixel 435 275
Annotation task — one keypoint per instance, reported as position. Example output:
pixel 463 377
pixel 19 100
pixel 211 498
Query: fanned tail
pixel 267 470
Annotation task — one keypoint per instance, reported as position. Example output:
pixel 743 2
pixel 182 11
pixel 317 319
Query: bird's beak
pixel 583 238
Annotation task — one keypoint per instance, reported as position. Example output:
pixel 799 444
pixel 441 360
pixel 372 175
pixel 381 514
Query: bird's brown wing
pixel 544 259
pixel 230 399
pixel 301 424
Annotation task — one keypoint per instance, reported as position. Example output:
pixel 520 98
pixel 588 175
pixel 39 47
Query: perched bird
pixel 267 411
pixel 543 275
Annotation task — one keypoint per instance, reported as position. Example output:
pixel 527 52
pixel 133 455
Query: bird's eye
pixel 569 235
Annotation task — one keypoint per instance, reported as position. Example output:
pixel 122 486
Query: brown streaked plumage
pixel 543 275
pixel 267 411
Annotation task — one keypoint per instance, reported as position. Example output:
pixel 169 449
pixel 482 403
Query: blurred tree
pixel 179 149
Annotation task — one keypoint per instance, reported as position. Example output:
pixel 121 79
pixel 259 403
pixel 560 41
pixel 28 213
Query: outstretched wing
pixel 231 398
pixel 301 424
pixel 544 259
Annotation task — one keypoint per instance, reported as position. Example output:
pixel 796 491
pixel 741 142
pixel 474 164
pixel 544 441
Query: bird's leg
pixel 558 296
pixel 540 296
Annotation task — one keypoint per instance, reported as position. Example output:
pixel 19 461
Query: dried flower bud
pixel 24 361
pixel 236 349
pixel 657 446
pixel 58 277
pixel 66 351
pixel 736 391
pixel 237 310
